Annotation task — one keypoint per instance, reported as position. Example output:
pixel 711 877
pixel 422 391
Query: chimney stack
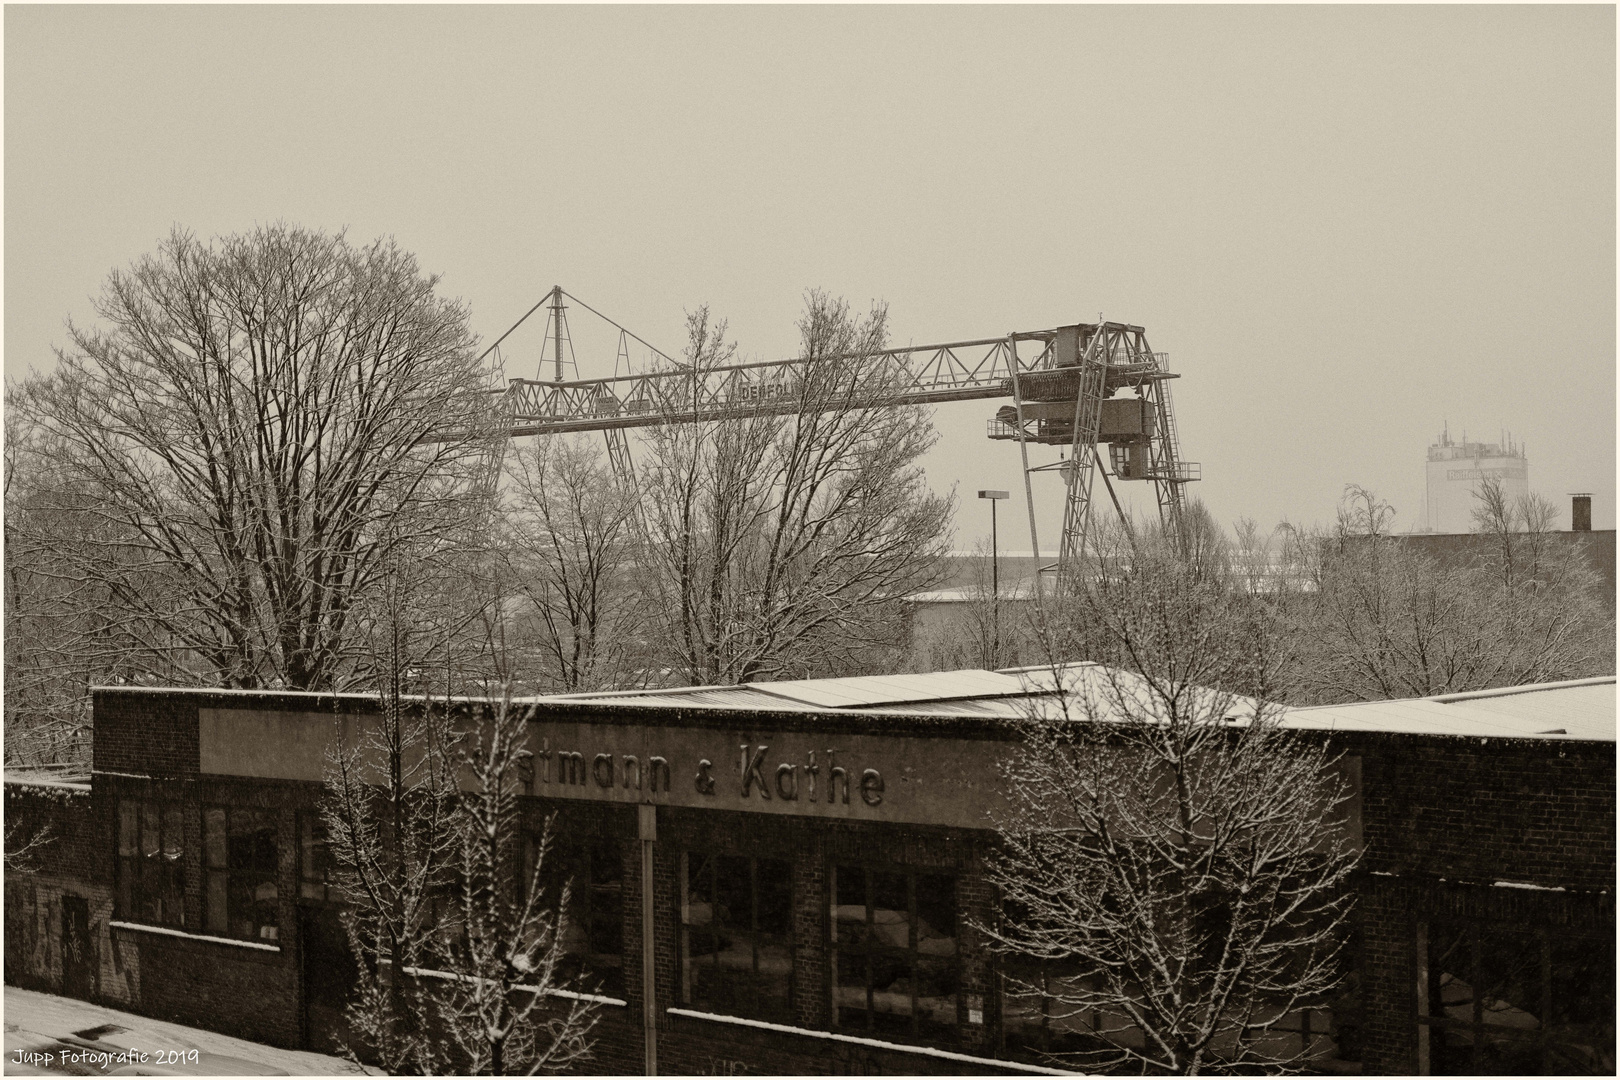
pixel 1580 512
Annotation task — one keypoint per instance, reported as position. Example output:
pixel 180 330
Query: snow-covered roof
pixel 1581 709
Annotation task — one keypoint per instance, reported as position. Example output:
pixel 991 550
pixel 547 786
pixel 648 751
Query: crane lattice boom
pixel 1063 386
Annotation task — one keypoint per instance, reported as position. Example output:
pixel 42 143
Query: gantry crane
pixel 1077 387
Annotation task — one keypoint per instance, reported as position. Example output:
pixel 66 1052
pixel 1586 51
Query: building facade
pixel 1453 474
pixel 788 878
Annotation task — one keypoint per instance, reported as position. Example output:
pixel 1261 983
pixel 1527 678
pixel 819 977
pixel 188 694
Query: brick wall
pixel 1444 821
pixel 1537 813
pixel 75 861
pixel 145 734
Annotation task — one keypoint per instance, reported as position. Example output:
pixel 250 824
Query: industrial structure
pixel 1454 473
pixel 1074 387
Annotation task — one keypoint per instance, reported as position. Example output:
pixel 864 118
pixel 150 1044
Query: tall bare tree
pixel 1174 865
pixel 571 540
pixel 57 644
pixel 783 542
pixel 256 426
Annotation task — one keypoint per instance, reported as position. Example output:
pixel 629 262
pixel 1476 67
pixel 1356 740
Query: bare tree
pixel 256 427
pixel 501 996
pixel 55 646
pixel 1376 619
pixel 571 540
pixel 783 544
pixel 24 845
pixel 1173 867
pixel 390 818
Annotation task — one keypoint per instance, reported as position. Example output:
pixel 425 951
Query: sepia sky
pixel 1346 225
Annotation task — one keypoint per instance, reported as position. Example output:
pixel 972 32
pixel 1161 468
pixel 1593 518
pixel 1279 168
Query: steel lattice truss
pixel 923 374
pixel 1061 382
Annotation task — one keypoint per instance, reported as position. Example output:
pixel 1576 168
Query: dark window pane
pixel 1510 979
pixel 851 889
pixel 1507 1056
pixel 252 841
pixel 1451 967
pixel 892 988
pixel 314 853
pixel 148 891
pixel 173 833
pixel 849 993
pixel 699 890
pixel 734 892
pixel 775 897
pixel 1583 980
pixel 126 887
pixel 732 964
pixel 937 993
pixel 607 866
pixel 607 925
pixel 129 828
pixel 214 837
pixel 1581 1029
pixel 702 945
pixel 216 904
pixel 151 831
pixel 936 916
pixel 1451 1051
pixel 774 983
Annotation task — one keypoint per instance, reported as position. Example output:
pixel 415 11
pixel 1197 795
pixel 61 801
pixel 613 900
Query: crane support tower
pixel 1078 387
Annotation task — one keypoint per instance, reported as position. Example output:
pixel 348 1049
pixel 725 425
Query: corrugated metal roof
pixel 723 697
pixel 1584 709
pixel 872 690
pixel 1579 710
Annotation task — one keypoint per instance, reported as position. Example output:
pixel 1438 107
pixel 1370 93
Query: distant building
pixel 1455 470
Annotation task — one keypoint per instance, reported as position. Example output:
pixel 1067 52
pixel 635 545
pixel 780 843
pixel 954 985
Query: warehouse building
pixel 785 877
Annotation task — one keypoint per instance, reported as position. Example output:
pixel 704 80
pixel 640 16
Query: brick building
pixel 814 851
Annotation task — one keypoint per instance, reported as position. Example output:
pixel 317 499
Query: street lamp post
pixel 995 574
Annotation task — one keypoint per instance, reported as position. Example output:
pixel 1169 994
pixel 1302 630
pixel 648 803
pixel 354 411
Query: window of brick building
pixel 593 934
pixel 239 860
pixel 895 967
pixel 1514 999
pixel 314 856
pixel 737 935
pixel 151 863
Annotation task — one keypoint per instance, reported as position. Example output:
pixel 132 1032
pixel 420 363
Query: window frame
pixel 575 863
pixel 1430 1027
pixel 231 878
pixel 134 867
pixel 753 933
pixel 916 959
pixel 314 858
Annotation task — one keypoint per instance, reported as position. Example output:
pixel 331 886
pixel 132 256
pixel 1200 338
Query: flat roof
pixel 1578 709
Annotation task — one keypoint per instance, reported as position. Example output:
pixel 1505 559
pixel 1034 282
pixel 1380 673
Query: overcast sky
pixel 1346 225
